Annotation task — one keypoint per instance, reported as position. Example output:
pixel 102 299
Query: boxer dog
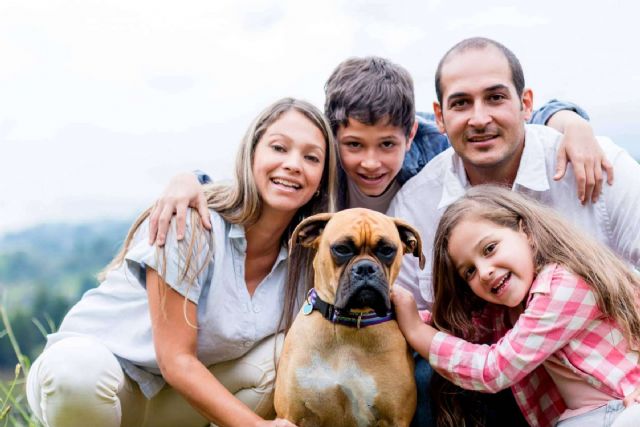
pixel 345 362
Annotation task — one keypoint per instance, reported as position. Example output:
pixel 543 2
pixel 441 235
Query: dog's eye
pixel 342 250
pixel 386 252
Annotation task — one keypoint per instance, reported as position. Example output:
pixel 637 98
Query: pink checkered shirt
pixel 561 318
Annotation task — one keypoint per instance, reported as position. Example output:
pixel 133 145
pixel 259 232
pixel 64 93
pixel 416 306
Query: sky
pixel 101 102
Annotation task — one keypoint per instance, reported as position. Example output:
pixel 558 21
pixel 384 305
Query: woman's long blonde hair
pixel 240 203
pixel 554 240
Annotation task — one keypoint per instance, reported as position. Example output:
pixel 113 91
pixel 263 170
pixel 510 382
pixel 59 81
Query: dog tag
pixel 307 308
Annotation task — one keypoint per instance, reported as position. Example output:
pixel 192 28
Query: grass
pixel 14 410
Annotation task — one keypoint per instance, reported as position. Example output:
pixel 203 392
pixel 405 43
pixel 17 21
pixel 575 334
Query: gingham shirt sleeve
pixel 560 306
pixel 426 317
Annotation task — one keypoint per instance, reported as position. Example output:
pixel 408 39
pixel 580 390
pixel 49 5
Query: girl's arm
pixel 561 307
pixel 549 322
pixel 175 343
pixel 413 324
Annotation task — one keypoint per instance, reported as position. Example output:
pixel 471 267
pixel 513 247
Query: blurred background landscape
pixel 43 270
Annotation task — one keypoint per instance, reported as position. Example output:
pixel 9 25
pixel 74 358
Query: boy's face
pixel 372 155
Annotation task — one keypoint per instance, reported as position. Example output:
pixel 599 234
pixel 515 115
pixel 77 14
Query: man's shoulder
pixel 550 138
pixel 430 176
pixel 610 148
pixel 419 197
pixel 545 134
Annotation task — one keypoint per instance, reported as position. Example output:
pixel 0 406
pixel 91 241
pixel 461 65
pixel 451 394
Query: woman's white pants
pixel 78 382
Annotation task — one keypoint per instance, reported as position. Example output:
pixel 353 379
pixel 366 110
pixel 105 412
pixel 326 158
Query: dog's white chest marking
pixel 357 385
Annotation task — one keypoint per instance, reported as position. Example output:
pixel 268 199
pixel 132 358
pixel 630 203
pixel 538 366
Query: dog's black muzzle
pixel 364 285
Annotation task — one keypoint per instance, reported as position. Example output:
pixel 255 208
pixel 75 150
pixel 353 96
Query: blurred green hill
pixel 46 269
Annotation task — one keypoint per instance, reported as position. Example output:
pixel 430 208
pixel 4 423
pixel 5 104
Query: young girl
pixel 184 336
pixel 557 313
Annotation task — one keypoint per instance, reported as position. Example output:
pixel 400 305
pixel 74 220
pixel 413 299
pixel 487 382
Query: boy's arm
pixel 184 190
pixel 579 146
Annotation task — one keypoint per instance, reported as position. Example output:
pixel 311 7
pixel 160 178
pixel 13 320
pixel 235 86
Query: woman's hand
pixel 183 191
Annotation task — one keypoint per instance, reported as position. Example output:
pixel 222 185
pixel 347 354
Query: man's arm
pixel 622 204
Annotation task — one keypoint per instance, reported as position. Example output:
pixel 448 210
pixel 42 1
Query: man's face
pixel 372 155
pixel 482 113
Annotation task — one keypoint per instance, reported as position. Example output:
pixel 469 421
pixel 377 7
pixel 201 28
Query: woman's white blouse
pixel 230 321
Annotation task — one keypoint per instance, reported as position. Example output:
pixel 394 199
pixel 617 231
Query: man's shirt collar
pixel 532 171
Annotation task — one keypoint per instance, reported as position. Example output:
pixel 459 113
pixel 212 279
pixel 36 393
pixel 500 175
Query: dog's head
pixel 359 254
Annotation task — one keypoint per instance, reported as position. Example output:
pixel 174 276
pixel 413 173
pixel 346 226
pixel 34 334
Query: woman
pixel 170 334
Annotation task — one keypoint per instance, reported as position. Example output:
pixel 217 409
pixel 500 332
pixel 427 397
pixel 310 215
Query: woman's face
pixel 288 162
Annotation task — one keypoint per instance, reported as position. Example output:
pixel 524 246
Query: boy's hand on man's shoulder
pixel 580 147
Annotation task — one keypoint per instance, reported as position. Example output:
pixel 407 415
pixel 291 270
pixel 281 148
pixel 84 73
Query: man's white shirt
pixel 614 219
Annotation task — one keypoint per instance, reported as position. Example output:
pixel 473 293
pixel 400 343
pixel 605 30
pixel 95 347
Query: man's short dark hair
pixel 369 90
pixel 477 43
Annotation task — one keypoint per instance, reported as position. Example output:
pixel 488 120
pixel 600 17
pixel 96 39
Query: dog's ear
pixel 309 230
pixel 411 240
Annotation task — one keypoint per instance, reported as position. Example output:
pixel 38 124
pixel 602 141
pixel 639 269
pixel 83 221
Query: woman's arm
pixel 175 343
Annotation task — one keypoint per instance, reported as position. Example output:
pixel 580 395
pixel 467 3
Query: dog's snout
pixel 365 268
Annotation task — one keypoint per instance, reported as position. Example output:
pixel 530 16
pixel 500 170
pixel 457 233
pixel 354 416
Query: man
pixel 483 106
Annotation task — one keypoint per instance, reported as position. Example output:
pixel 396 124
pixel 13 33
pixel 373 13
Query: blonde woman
pixel 184 335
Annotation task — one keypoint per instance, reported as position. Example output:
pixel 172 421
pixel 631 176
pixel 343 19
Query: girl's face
pixel 496 261
pixel 288 162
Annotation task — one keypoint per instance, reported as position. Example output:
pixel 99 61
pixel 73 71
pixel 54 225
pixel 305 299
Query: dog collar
pixel 342 317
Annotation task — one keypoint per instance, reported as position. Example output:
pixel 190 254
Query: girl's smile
pixel 496 261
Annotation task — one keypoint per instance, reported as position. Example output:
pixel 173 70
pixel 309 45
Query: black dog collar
pixel 346 318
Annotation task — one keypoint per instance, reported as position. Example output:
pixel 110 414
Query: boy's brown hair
pixel 369 90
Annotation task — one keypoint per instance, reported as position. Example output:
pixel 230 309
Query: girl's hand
pixel 406 310
pixel 632 399
pixel 418 334
pixel 278 422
